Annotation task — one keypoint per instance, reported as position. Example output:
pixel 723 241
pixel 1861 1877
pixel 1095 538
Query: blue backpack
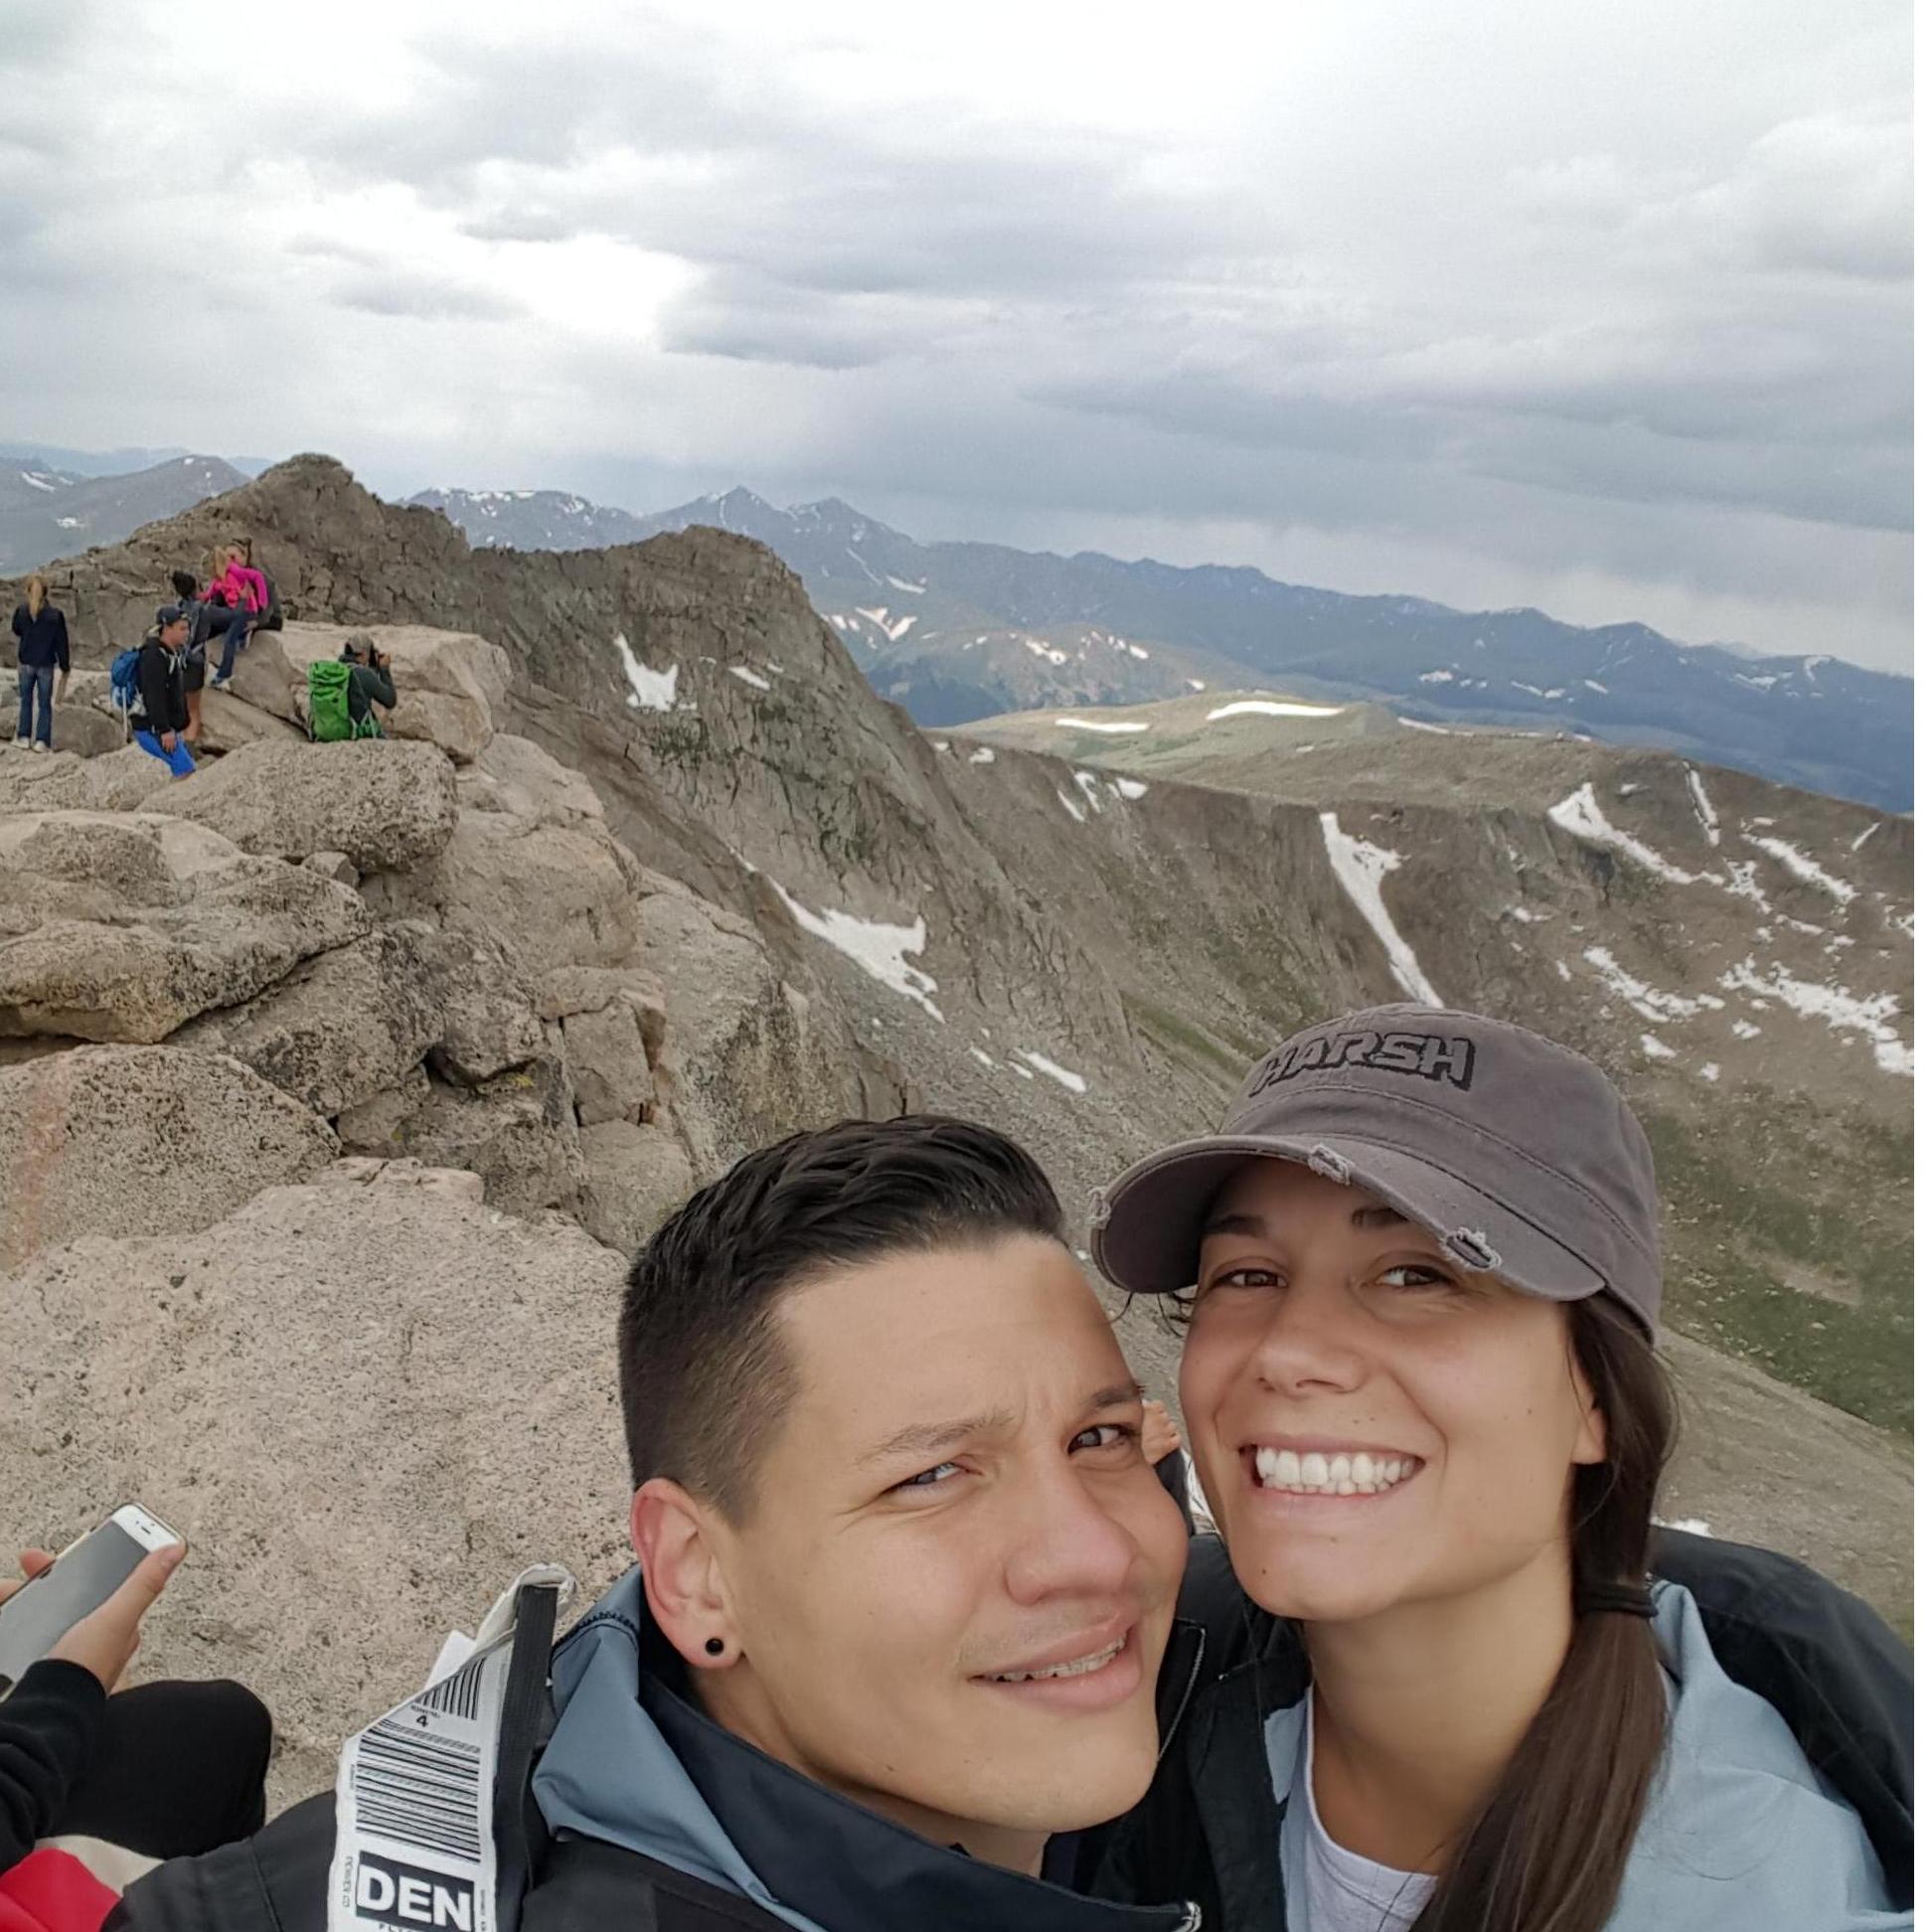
pixel 124 680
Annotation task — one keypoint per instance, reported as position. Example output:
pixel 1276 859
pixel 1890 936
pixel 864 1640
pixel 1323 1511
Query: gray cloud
pixel 1614 313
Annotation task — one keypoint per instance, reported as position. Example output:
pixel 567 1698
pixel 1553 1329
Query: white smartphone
pixel 84 1575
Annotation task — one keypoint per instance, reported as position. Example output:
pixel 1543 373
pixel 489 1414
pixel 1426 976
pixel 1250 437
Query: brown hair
pixel 1546 1852
pixel 36 594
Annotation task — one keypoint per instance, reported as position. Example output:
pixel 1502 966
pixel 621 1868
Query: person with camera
pixel 164 1771
pixel 370 683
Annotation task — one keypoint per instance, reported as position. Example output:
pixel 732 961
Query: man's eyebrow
pixel 929 1438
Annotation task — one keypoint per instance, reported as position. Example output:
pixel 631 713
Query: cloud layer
pixel 1607 309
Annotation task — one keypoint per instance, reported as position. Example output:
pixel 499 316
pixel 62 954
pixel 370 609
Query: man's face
pixel 957 1499
pixel 175 636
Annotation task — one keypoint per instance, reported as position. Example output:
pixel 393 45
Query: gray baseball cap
pixel 1517 1154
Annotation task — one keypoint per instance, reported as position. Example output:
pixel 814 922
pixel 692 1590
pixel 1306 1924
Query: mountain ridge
pixel 956 631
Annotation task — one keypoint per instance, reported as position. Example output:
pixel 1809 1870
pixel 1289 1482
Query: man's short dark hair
pixel 704 1373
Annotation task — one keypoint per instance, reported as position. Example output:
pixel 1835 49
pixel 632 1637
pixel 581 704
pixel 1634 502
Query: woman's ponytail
pixel 1546 1854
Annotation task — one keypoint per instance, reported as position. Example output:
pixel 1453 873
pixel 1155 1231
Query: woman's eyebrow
pixel 1234 1224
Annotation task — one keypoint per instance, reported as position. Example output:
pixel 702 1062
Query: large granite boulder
pixel 449 685
pixel 125 929
pixel 137 1140
pixel 745 1055
pixel 114 781
pixel 386 806
pixel 339 1029
pixel 555 894
pixel 633 1177
pixel 367 1401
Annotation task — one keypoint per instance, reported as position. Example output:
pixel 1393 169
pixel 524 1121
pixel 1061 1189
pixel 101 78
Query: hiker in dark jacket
pixel 160 710
pixel 370 683
pixel 1454 1678
pixel 40 629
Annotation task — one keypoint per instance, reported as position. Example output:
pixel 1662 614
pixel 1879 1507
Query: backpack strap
pixel 528 1719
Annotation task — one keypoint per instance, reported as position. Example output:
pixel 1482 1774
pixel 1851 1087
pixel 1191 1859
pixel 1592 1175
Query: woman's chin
pixel 1289 1584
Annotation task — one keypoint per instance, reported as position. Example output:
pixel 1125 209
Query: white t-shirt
pixel 1342 1890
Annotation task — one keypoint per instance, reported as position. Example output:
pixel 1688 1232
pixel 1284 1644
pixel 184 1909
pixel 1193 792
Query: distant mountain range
pixel 959 631
pixel 51 509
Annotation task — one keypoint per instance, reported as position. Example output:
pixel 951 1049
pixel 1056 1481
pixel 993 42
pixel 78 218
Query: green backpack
pixel 328 705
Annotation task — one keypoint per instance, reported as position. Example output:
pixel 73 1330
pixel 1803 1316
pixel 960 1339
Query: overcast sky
pixel 1602 306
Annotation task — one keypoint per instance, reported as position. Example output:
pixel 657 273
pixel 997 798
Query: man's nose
pixel 1067 1540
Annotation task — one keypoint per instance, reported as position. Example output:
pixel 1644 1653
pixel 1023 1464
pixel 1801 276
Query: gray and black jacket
pixel 1772 1629
pixel 643 1813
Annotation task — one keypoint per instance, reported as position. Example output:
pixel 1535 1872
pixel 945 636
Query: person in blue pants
pixel 160 712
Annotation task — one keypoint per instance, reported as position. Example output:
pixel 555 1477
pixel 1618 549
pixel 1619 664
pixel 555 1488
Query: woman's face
pixel 1373 1426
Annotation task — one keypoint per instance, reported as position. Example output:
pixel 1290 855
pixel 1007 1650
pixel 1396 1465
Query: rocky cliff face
pixel 409 1042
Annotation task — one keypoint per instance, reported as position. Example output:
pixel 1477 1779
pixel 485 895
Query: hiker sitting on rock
pixel 165 1771
pixel 41 629
pixel 238 595
pixel 159 712
pixel 343 694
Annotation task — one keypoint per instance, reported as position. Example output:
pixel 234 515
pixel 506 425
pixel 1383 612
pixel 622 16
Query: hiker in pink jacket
pixel 235 583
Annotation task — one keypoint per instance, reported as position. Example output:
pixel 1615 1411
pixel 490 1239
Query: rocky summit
pixel 337 1082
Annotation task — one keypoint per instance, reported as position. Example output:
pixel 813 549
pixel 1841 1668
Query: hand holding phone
pixel 87 1606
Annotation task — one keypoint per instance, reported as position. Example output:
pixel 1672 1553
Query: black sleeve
pixel 61 641
pixel 1830 1665
pixel 155 697
pixel 48 1731
pixel 1172 1469
pixel 20 620
pixel 275 1881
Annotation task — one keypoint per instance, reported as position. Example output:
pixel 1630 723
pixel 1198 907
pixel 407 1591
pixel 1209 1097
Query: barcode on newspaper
pixel 416 1789
pixel 457 1695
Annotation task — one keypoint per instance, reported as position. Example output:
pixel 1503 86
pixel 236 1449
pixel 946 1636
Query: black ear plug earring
pixel 713 1647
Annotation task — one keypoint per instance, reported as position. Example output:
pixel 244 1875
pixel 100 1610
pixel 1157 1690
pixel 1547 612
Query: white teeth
pixel 1316 1474
pixel 1079 1667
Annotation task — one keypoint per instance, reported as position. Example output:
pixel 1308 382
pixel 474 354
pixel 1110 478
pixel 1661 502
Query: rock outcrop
pixel 384 807
pixel 126 929
pixel 110 1140
pixel 366 1401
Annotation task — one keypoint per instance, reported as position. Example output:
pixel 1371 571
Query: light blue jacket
pixel 1740 1834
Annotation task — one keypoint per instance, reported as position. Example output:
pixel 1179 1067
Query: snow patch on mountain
pixel 1361 867
pixel 649 689
pixel 1701 798
pixel 1652 1002
pixel 875 947
pixel 1837 1008
pixel 1800 865
pixel 1072 1082
pixel 1271 707
pixel 1582 817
